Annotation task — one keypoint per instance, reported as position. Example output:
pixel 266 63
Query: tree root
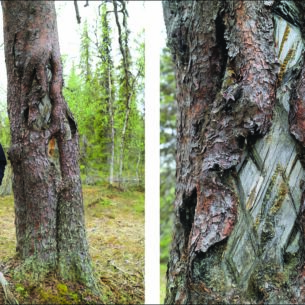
pixel 10 299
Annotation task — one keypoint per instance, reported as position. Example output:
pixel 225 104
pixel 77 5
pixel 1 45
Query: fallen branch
pixel 8 294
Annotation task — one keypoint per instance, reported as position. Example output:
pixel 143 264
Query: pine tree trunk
pixel 239 206
pixel 48 200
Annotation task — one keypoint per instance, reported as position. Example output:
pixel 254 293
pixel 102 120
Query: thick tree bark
pixel 232 194
pixel 48 200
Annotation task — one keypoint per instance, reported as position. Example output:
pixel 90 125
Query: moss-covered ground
pixel 115 228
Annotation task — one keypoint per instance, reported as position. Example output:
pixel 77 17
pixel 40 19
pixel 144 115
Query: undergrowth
pixel 115 230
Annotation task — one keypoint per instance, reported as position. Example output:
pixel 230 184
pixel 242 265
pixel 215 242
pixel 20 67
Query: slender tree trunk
pixel 48 202
pixel 128 86
pixel 138 167
pixel 111 110
pixel 238 233
pixel 123 138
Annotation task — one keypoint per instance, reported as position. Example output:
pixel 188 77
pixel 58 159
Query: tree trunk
pixel 239 207
pixel 123 138
pixel 128 85
pixel 48 200
pixel 111 110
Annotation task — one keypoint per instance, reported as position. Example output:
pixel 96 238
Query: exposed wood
pixel 10 299
pixel 238 195
pixel 48 199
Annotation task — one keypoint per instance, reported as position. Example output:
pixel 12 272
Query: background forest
pixel 168 109
pixel 104 88
pixel 105 92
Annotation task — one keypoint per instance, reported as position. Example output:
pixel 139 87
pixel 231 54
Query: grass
pixel 163 268
pixel 115 229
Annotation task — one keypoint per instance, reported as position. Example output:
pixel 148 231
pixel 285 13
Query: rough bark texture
pixel 48 198
pixel 238 191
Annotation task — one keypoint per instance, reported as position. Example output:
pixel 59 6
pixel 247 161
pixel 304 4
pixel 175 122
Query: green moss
pixel 283 191
pixel 268 231
pixel 256 223
pixel 268 274
pixel 56 293
pixel 33 269
pixel 62 288
pixel 123 245
pixel 278 169
pixel 208 267
pixel 51 298
pixel 21 291
pixel 291 263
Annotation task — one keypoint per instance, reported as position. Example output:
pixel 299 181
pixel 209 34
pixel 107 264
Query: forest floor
pixel 115 229
pixel 163 268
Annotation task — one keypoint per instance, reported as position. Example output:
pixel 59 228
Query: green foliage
pixel 117 254
pixel 97 91
pixel 167 150
pixel 21 290
pixel 5 138
pixel 168 109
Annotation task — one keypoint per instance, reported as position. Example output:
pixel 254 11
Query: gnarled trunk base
pixel 49 211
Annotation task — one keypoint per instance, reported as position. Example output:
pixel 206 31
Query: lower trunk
pixel 111 110
pixel 47 188
pixel 123 137
pixel 238 235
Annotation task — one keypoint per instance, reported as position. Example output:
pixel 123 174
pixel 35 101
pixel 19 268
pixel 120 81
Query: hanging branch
pixel 78 17
pixel 122 49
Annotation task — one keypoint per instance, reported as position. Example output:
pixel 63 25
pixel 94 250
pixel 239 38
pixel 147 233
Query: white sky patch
pixel 69 32
pixel 153 43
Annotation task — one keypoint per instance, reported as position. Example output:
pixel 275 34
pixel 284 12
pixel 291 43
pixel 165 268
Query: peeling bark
pixel 48 199
pixel 227 74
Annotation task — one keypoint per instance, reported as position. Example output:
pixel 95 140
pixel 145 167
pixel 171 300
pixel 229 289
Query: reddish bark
pixel 297 110
pixel 48 200
pixel 226 80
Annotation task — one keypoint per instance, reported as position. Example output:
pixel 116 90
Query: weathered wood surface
pixel 270 186
pixel 238 235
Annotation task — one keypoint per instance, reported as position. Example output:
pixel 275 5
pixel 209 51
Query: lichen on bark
pixel 228 78
pixel 50 227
